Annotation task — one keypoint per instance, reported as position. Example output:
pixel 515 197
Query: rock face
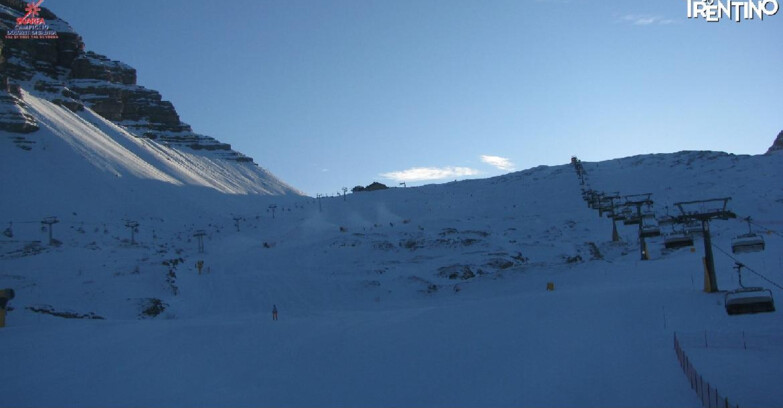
pixel 778 144
pixel 66 74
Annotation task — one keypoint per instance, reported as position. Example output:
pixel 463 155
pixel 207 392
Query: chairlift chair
pixel 631 217
pixel 649 227
pixel 693 227
pixel 666 220
pixel 605 205
pixel 750 242
pixel 677 240
pixel 747 300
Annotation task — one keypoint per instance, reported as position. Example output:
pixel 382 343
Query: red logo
pixel 31 18
pixel 31 26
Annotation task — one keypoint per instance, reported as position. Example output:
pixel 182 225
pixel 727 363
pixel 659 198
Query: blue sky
pixel 333 93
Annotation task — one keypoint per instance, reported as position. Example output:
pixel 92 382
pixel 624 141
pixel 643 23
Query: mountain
pixel 56 99
pixel 146 260
pixel 778 144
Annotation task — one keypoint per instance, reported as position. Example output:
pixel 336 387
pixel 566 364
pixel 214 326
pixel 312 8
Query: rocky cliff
pixel 778 144
pixel 62 71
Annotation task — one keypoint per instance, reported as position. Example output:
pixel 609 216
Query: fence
pixel 730 340
pixel 710 396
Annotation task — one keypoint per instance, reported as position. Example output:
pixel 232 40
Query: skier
pixel 274 312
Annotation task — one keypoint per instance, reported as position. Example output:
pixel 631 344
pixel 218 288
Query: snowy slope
pixel 430 296
pixel 74 155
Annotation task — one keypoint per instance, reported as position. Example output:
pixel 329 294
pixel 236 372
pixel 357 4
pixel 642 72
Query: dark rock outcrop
pixel 778 144
pixel 13 116
pixel 375 186
pixel 66 74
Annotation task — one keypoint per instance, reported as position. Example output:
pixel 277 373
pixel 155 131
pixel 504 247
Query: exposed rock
pixel 13 116
pixel 778 144
pixel 71 77
pixel 94 66
pixel 25 58
pixel 47 309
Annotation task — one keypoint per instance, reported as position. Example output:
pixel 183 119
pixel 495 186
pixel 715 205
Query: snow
pixel 376 306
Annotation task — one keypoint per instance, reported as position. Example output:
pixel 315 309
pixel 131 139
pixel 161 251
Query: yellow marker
pixel 550 286
pixel 707 285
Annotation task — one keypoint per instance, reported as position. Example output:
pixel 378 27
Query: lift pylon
pixel 704 211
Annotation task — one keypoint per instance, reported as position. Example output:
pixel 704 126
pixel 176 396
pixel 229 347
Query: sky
pixel 337 93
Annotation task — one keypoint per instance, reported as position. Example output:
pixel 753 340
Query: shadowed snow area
pixel 429 296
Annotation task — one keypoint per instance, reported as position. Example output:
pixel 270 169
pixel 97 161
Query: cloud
pixel 501 163
pixel 430 173
pixel 645 20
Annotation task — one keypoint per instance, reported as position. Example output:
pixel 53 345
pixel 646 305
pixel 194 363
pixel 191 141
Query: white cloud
pixel 430 173
pixel 501 163
pixel 645 20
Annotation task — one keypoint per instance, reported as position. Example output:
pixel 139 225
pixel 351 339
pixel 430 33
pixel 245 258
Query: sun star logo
pixel 31 26
pixel 713 11
pixel 31 18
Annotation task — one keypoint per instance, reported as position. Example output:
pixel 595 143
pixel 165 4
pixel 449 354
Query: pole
pixel 132 225
pixel 200 236
pixel 709 260
pixel 615 235
pixel 50 221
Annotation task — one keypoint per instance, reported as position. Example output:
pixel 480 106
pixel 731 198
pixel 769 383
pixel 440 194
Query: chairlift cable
pixel 770 230
pixel 747 267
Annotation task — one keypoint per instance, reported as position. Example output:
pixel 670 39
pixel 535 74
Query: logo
pixel 715 10
pixel 31 26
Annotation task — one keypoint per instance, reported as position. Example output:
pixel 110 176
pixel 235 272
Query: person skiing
pixel 274 312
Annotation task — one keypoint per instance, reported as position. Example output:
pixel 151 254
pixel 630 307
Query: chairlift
pixel 750 242
pixel 631 217
pixel 666 219
pixel 748 299
pixel 649 226
pixel 693 227
pixel 678 239
pixel 605 205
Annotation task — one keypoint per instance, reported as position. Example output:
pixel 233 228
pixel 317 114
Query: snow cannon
pixel 5 296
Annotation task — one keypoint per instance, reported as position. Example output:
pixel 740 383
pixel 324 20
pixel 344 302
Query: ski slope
pixel 428 296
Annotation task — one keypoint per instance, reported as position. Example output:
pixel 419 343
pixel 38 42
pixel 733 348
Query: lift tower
pixel 133 226
pixel 200 234
pixel 639 200
pixel 704 211
pixel 50 221
pixel 607 204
